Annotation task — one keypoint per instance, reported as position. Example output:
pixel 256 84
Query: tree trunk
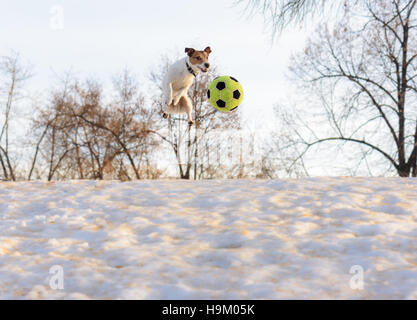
pixel 403 170
pixel 6 176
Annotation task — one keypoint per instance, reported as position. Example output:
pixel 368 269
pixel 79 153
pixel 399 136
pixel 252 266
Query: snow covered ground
pixel 210 239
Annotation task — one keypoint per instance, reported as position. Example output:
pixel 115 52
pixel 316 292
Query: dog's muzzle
pixel 205 68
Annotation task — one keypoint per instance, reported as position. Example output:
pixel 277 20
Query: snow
pixel 228 239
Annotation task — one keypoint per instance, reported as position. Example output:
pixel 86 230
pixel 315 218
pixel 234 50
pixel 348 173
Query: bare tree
pixel 127 125
pixel 14 75
pixel 137 123
pixel 278 14
pixel 81 136
pixel 55 126
pixel 364 73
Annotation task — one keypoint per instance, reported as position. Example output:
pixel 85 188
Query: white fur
pixel 175 88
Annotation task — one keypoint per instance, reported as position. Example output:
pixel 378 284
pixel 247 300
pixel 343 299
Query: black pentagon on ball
pixel 233 79
pixel 208 93
pixel 221 85
pixel 236 94
pixel 220 103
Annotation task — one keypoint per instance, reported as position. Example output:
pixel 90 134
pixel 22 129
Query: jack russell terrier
pixel 180 77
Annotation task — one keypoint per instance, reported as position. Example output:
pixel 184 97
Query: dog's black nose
pixel 207 65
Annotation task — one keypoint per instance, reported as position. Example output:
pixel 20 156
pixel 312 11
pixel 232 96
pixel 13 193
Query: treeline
pixel 352 112
pixel 84 131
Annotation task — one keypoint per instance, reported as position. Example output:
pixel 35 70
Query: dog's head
pixel 199 58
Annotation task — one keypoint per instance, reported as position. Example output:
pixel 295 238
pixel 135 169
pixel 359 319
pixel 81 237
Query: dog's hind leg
pixel 187 107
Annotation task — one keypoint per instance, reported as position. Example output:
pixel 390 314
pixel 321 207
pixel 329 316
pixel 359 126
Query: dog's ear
pixel 189 51
pixel 207 50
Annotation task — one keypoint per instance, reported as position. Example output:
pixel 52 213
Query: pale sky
pixel 100 38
